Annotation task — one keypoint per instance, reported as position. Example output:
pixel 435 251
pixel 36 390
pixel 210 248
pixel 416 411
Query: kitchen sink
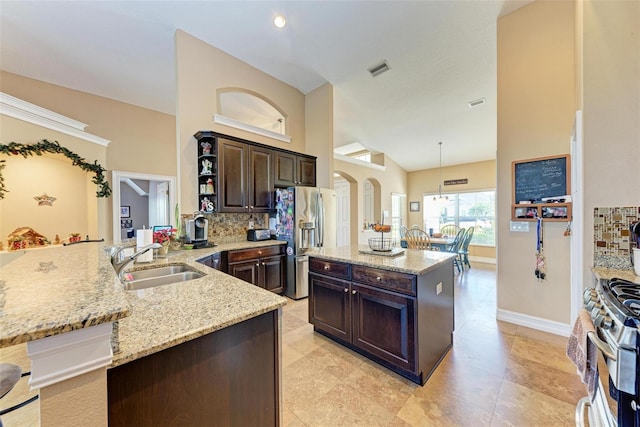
pixel 152 277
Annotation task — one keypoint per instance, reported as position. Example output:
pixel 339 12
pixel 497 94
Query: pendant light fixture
pixel 440 197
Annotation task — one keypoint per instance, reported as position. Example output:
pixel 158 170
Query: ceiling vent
pixel 376 70
pixel 476 102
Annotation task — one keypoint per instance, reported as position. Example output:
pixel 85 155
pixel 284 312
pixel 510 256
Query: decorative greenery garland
pixel 45 146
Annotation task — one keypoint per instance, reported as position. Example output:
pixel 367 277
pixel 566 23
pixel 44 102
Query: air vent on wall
pixel 476 102
pixel 376 70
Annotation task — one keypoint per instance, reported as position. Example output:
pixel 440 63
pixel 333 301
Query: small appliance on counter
pixel 197 229
pixel 254 235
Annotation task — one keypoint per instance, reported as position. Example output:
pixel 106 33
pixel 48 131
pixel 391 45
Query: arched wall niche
pixel 246 107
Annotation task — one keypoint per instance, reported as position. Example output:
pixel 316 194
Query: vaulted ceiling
pixel 441 53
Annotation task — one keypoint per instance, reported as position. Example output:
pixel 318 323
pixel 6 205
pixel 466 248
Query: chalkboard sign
pixel 536 179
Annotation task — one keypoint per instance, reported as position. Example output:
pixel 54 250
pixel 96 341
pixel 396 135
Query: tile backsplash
pixel 611 236
pixel 229 227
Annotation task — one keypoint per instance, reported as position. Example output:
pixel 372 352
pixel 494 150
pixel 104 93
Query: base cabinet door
pixel 330 306
pixel 384 325
pixel 247 271
pixel 272 270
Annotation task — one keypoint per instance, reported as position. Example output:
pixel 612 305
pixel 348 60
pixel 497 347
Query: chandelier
pixel 440 197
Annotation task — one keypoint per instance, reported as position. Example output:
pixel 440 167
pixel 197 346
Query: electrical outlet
pixel 519 226
pixel 439 288
pixel 250 225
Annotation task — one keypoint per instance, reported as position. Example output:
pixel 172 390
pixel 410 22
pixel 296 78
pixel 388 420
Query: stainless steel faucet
pixel 119 266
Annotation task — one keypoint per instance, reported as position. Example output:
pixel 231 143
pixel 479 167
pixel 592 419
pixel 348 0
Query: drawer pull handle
pixel 326 268
pixel 353 292
pixel 378 278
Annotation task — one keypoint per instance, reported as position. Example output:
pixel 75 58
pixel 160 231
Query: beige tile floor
pixel 497 374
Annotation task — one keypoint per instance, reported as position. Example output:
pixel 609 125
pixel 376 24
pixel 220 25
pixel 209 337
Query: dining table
pixel 441 243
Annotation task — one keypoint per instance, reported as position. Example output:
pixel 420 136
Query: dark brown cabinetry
pixel 228 378
pixel 213 261
pixel 244 174
pixel 263 267
pixel 293 169
pixel 375 312
pixel 207 175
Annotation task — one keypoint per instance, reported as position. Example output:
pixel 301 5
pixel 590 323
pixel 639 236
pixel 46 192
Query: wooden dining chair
pixel 463 253
pixel 449 230
pixel 454 248
pixel 417 239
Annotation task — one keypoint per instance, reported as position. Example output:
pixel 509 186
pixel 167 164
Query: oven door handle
pixel 584 403
pixel 602 346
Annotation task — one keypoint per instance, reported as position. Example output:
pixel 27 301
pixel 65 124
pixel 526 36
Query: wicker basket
pixel 381 244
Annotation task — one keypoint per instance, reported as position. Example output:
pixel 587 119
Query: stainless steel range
pixel 614 306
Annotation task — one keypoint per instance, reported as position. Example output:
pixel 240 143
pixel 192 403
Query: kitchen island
pixel 57 291
pixel 396 310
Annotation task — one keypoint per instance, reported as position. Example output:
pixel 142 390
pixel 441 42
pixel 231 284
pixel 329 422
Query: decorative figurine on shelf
pixel 206 205
pixel 206 167
pixel 57 240
pixel 206 148
pixel 209 186
pixel 74 237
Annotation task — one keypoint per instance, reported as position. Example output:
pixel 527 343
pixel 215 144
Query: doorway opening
pixel 156 199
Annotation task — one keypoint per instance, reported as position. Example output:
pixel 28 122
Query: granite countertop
pixel 59 289
pixel 609 273
pixel 413 261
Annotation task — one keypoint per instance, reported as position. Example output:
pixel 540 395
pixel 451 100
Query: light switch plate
pixel 519 226
pixel 250 225
pixel 439 288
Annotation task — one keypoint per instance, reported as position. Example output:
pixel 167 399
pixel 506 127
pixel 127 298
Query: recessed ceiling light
pixel 279 21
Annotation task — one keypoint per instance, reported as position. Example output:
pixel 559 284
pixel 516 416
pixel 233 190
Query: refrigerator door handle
pixel 320 219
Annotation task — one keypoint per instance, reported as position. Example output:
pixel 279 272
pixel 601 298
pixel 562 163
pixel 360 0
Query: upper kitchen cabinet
pixel 246 177
pixel 241 176
pixel 295 169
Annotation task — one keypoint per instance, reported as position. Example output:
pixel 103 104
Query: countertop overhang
pixel 55 290
pixel 413 261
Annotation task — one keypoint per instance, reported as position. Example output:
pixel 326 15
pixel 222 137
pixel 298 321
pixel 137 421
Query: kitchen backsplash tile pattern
pixel 611 236
pixel 229 227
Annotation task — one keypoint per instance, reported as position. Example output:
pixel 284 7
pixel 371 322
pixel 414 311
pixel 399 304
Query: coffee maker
pixel 197 229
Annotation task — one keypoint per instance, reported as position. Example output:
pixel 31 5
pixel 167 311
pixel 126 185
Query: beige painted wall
pixel 319 132
pixel 201 70
pixel 392 180
pixel 611 105
pixel 536 107
pixel 481 176
pixel 142 140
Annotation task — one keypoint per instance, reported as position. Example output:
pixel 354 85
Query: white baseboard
pixel 482 259
pixel 533 322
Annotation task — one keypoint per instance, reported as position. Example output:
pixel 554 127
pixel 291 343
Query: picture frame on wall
pixel 414 206
pixel 125 211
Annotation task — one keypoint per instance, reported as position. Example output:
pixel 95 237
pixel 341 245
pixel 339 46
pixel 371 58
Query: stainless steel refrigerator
pixel 306 219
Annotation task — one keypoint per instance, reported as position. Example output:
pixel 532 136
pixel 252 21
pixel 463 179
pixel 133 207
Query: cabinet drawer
pixel 392 280
pixel 330 268
pixel 246 254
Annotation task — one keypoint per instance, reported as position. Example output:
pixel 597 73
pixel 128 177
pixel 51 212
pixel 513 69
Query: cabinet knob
pixel 346 289
pixel 258 265
pixel 264 263
pixel 353 292
pixel 251 207
pixel 326 268
pixel 246 207
pixel 378 278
